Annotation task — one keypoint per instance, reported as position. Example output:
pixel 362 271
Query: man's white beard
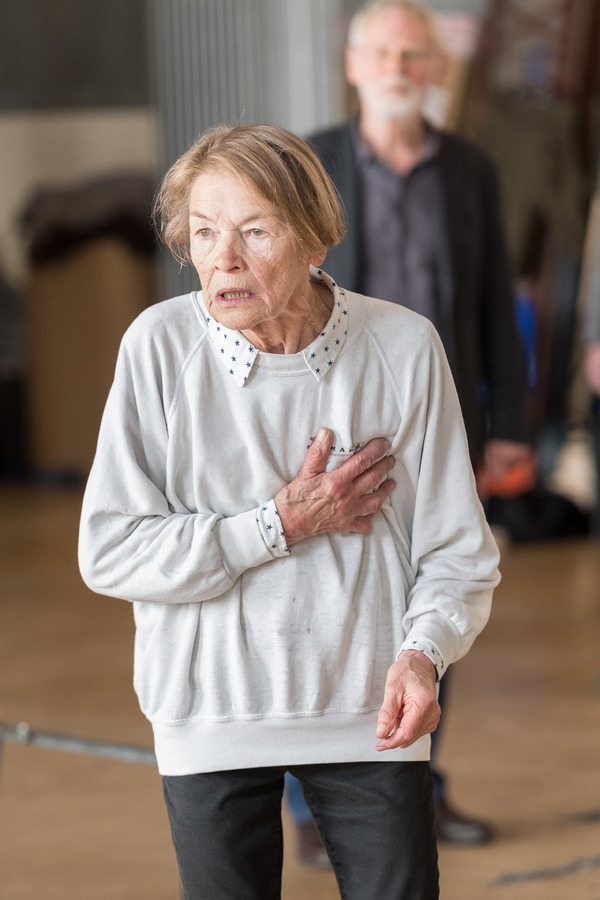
pixel 378 98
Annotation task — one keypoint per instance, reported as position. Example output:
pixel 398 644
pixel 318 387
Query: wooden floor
pixel 521 740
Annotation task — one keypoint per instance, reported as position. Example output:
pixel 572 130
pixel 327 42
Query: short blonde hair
pixel 280 165
pixel 371 8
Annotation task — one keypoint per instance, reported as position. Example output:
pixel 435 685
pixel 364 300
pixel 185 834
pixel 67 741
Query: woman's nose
pixel 227 252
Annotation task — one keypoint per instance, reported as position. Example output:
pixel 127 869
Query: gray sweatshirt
pixel 247 653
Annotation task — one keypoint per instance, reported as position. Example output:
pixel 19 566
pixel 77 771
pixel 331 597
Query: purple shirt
pixel 401 227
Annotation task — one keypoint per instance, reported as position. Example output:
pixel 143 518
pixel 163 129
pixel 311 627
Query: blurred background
pixel 96 101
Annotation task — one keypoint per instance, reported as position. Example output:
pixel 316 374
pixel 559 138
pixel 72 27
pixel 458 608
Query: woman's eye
pixel 256 232
pixel 204 232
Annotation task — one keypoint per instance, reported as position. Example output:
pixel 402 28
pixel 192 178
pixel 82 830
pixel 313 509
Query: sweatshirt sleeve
pixel 453 554
pixel 133 543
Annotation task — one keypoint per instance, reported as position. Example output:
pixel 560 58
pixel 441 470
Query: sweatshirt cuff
pixel 271 530
pixel 430 651
pixel 250 539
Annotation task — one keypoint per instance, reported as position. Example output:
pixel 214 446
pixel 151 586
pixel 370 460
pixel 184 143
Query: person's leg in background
pixel 451 826
pixel 310 846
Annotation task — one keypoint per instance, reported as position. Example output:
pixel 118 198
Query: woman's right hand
pixel 346 499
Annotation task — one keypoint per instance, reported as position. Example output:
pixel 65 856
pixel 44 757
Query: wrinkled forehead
pixel 218 195
pixel 217 184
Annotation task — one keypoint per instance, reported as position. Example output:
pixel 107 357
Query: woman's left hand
pixel 410 708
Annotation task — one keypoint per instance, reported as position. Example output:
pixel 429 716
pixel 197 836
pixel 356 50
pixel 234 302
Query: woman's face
pixel 250 267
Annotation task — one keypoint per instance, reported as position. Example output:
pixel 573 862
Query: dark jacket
pixel 476 316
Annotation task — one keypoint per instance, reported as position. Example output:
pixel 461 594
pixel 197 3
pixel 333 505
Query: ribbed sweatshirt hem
pixel 200 745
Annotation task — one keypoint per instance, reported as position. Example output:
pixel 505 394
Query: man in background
pixel 425 231
pixel 590 301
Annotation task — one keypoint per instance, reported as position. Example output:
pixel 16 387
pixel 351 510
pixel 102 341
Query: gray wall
pixel 243 61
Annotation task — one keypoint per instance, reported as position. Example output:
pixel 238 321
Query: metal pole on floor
pixel 23 734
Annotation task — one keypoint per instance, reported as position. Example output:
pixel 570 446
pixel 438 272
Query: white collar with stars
pixel 238 354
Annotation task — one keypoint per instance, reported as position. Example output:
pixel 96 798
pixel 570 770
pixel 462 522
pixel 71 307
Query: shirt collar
pixel 327 346
pixel 238 355
pixel 233 349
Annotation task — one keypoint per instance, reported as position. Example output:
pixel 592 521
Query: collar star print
pixel 238 354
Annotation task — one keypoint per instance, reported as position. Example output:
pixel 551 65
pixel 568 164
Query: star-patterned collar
pixel 238 355
pixel 235 351
pixel 327 346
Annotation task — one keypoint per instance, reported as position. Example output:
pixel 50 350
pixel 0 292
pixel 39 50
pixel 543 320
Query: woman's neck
pixel 298 326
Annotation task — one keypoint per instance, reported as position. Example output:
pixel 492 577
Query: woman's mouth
pixel 234 295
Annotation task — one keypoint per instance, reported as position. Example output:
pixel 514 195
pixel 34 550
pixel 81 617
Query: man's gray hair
pixel 372 7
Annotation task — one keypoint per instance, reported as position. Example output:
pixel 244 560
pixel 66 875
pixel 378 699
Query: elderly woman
pixel 283 490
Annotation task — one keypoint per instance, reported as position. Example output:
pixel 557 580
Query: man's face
pixel 393 65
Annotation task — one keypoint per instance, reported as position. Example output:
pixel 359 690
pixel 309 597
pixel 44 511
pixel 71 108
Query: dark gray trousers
pixel 376 821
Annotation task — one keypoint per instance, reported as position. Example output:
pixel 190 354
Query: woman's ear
pixel 317 259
